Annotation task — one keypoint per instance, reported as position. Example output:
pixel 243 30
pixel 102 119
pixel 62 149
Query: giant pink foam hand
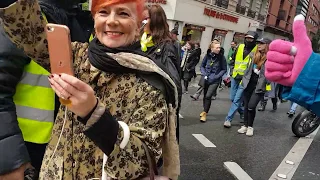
pixel 285 60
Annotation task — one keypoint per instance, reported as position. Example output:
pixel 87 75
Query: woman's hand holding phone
pixel 60 52
pixel 78 92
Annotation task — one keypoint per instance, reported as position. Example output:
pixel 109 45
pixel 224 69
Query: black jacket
pixel 193 59
pixel 166 53
pixel 13 150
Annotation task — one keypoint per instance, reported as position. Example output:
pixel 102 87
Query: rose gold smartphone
pixel 60 52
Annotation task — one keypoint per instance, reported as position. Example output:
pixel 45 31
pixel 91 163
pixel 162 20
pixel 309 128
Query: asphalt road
pixel 259 156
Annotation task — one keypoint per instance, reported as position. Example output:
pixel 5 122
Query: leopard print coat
pixel 128 98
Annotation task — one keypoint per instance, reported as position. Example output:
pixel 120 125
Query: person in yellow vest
pixel 238 65
pixel 28 105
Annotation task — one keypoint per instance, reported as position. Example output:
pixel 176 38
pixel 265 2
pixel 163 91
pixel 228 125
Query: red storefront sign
pixel 219 15
pixel 157 1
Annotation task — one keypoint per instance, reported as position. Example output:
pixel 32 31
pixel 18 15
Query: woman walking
pixel 197 94
pixel 213 67
pixel 189 63
pixel 254 83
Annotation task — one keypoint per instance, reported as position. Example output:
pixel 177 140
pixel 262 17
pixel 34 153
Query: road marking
pixel 203 140
pixel 294 156
pixel 236 171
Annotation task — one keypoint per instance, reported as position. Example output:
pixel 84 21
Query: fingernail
pixel 69 97
pixel 51 84
pixel 50 76
pixel 59 75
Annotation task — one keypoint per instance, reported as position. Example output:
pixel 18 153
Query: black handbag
pixel 202 81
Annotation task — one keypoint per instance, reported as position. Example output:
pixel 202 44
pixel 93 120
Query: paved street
pixel 259 156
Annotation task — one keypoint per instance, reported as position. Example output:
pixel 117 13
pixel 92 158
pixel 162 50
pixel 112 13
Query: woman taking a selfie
pixel 255 85
pixel 115 109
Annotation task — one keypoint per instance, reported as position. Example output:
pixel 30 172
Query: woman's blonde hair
pixel 260 58
pixel 213 42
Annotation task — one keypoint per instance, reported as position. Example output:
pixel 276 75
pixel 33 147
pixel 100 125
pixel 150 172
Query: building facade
pixel 312 18
pixel 204 20
pixel 280 18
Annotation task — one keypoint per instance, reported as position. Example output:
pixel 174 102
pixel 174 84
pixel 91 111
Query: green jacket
pixel 231 51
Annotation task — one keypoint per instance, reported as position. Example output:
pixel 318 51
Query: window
pixel 222 3
pixel 282 14
pixel 251 3
pixel 277 22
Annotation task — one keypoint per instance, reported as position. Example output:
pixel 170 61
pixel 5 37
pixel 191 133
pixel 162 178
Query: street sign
pixel 254 24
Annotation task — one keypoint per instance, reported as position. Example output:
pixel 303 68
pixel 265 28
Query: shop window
pixel 220 35
pixel 192 33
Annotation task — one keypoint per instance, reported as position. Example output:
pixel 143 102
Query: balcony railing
pixel 261 17
pixel 241 9
pixel 222 3
pixel 251 13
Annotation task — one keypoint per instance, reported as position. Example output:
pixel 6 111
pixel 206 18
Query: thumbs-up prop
pixel 285 60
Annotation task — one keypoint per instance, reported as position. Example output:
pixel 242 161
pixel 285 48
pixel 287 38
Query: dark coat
pixel 191 63
pixel 214 66
pixel 167 54
pixel 12 62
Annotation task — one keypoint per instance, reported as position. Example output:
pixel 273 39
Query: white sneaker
pixel 227 124
pixel 249 131
pixel 242 130
pixel 180 116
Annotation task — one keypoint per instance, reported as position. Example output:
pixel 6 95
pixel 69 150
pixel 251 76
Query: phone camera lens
pixel 50 29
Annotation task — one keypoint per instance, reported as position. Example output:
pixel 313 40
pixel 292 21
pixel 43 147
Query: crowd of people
pixel 125 93
pixel 245 68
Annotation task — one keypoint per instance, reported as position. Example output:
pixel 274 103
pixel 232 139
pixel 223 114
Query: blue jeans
pixel 236 92
pixel 293 107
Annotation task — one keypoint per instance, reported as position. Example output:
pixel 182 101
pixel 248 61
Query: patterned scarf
pixel 99 58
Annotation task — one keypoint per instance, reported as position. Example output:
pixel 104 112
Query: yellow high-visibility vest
pixel 240 63
pixel 35 103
